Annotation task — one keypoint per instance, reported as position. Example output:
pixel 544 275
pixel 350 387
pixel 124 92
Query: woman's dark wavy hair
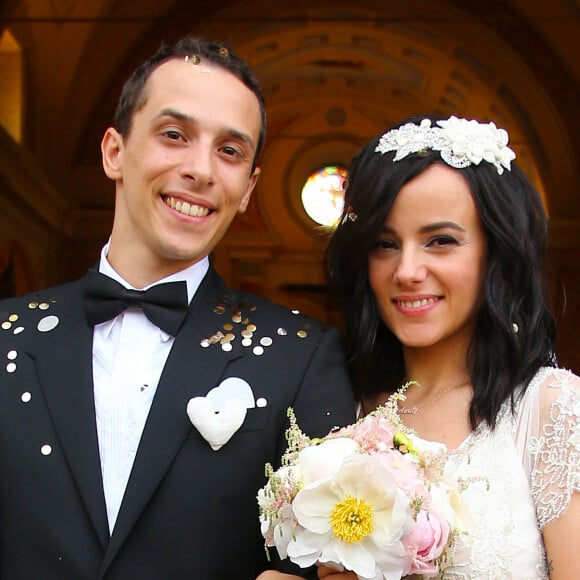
pixel 515 228
pixel 134 94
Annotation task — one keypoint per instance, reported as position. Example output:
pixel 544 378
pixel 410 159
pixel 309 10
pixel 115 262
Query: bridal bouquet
pixel 371 498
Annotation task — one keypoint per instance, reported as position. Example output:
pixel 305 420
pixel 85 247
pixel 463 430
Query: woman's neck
pixel 436 368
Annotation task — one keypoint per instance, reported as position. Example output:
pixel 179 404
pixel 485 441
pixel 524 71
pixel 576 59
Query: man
pixel 114 464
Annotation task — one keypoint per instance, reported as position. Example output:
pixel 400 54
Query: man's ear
pixel 248 194
pixel 112 153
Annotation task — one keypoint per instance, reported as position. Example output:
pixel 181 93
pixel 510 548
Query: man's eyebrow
pixel 240 136
pixel 234 133
pixel 175 114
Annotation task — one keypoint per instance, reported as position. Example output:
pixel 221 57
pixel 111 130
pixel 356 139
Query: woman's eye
pixel 440 241
pixel 385 245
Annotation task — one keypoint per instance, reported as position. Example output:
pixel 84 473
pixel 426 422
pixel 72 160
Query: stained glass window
pixel 323 194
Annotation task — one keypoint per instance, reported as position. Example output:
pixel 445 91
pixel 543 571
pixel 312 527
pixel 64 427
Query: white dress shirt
pixel 129 353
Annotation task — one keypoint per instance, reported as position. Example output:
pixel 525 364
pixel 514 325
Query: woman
pixel 437 267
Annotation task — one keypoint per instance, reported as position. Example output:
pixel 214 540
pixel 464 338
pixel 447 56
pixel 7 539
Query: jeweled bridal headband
pixel 459 141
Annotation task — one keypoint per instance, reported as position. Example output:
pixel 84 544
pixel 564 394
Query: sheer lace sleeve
pixel 548 437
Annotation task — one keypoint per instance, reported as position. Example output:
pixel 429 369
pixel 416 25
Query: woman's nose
pixel 411 268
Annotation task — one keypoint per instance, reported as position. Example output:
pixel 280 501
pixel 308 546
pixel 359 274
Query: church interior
pixel 335 73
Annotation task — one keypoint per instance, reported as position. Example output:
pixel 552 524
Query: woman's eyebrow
pixel 428 228
pixel 441 226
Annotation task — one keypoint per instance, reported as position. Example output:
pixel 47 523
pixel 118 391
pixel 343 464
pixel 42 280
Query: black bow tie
pixel 165 305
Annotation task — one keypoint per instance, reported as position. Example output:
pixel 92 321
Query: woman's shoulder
pixel 548 429
pixel 553 385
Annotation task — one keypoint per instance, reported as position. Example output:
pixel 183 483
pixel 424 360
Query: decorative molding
pixel 27 186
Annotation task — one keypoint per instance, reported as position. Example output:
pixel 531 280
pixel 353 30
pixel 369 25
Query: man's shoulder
pixel 38 305
pixel 48 295
pixel 274 314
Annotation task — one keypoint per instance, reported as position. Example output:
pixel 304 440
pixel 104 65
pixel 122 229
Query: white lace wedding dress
pixel 522 475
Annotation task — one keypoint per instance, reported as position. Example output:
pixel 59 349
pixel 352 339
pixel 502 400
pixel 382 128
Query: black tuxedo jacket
pixel 189 513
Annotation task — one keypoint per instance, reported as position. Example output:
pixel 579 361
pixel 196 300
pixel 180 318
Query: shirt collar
pixel 192 275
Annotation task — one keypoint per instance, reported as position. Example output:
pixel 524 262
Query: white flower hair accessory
pixel 460 142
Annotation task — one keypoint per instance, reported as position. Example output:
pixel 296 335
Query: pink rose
pixel 406 473
pixel 426 543
pixel 374 434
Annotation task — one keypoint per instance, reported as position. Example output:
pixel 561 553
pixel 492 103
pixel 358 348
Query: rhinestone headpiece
pixel 459 141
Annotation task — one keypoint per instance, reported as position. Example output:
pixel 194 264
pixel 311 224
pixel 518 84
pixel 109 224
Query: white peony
pixel 354 518
pixel 322 461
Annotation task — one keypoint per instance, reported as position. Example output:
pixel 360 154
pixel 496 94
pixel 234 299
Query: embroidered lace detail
pixel 556 451
pixel 522 476
pixel 478 462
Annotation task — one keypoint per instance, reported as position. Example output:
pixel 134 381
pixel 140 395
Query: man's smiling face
pixel 184 170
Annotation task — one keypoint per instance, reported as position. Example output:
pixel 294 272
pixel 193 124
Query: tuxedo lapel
pixel 65 374
pixel 189 371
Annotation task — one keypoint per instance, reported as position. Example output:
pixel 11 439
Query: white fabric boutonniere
pixel 219 414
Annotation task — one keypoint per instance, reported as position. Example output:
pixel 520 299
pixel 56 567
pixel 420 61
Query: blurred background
pixel 334 73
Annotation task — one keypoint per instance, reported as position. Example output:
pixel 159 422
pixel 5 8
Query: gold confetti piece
pixel 193 58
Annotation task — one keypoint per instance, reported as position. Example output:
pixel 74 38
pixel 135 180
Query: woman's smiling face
pixel 428 265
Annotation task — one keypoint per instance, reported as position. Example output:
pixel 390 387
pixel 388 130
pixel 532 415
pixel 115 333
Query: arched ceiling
pixel 334 72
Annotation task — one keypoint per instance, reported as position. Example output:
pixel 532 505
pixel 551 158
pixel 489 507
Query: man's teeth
pixel 186 208
pixel 416 303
